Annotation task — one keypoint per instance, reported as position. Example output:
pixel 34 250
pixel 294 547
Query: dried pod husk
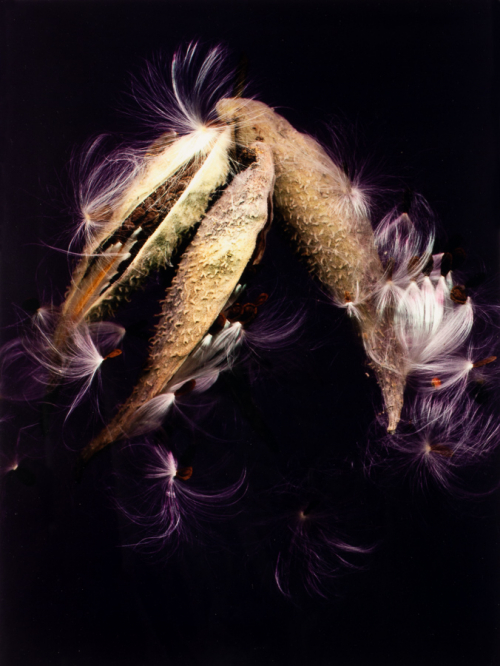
pixel 329 224
pixel 169 196
pixel 208 273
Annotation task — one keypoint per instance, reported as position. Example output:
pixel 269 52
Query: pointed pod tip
pixel 392 425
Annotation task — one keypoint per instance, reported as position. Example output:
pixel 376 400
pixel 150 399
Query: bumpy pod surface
pixel 169 195
pixel 208 274
pixel 330 227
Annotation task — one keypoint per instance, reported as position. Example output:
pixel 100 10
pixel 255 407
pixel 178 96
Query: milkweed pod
pixel 327 217
pixel 208 274
pixel 169 195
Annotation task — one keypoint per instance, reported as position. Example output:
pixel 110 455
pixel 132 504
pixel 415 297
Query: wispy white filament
pixel 172 509
pixel 214 354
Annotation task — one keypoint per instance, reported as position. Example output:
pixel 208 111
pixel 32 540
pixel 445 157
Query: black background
pixel 412 85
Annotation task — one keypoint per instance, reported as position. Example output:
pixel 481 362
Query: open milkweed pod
pixel 208 273
pixel 168 197
pixel 328 221
pixel 139 201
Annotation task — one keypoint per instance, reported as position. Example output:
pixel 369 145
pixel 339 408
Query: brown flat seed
pixel 484 361
pixel 186 388
pixel 184 473
pixel 113 354
pixel 458 294
pixel 442 450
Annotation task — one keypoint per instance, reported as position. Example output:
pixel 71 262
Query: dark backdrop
pixel 412 87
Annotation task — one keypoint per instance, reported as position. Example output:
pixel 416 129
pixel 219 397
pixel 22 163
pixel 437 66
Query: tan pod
pixel 333 233
pixel 208 273
pixel 181 175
